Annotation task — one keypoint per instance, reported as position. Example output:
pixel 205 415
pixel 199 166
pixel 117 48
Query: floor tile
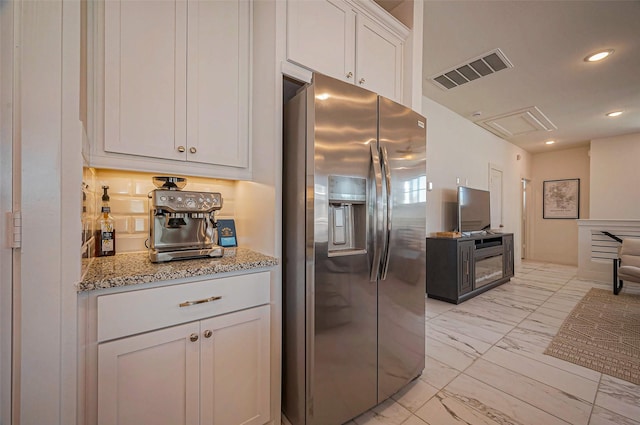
pixel 485 361
pixel 467 400
pixel 438 374
pixel 574 385
pixel 601 416
pixel 415 394
pixel 387 413
pixel 619 397
pixel 535 393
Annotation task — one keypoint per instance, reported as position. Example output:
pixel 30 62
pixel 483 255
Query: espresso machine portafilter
pixel 182 224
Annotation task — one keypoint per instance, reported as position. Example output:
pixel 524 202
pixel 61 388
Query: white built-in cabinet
pixel 214 371
pixel 341 39
pixel 176 86
pixel 196 353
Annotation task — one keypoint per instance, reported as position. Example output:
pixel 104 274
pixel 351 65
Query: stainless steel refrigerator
pixel 354 189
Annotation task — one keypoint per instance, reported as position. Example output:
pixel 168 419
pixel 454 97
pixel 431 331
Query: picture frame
pixel 561 199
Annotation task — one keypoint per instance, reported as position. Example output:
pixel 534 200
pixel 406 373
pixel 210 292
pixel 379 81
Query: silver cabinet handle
pixel 193 337
pixel 181 149
pixel 208 333
pixel 349 74
pixel 192 150
pixel 361 81
pixel 205 300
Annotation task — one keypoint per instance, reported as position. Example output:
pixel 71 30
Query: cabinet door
pixel 507 242
pixel 150 378
pixel 378 59
pixel 235 368
pixel 465 267
pixel 145 77
pixel 321 36
pixel 218 82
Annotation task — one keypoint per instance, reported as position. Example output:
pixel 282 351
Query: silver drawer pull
pixel 205 300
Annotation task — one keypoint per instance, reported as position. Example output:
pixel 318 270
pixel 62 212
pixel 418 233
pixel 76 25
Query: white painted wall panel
pixel 615 178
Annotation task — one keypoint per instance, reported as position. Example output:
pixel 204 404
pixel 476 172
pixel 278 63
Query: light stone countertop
pixel 135 268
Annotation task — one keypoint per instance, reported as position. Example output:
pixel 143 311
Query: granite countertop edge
pixel 136 268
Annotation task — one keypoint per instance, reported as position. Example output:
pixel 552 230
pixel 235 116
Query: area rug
pixel 602 333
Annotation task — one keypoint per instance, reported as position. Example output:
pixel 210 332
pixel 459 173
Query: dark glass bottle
pixel 105 229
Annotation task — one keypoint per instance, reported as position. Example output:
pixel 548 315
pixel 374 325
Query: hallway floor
pixel 485 364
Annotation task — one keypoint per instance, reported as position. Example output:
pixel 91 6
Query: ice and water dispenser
pixel 347 215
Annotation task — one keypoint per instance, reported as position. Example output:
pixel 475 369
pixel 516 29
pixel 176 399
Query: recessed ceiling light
pixel 549 142
pixel 598 56
pixel 614 113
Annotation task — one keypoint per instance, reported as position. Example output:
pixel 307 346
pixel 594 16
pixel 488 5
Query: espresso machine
pixel 182 224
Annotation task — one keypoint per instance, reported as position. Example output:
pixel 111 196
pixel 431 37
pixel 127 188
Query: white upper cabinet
pixel 379 59
pixel 176 87
pixel 218 82
pixel 145 92
pixel 342 40
pixel 321 36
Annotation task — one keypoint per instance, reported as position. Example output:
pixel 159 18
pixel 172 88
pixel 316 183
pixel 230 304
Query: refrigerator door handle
pixel 389 210
pixel 378 216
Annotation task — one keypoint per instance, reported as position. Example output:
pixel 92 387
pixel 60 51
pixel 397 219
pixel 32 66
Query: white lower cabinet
pixel 211 371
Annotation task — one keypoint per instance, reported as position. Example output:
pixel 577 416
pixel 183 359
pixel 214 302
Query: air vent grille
pixel 481 66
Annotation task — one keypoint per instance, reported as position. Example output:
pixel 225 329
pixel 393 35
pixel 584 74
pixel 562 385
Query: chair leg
pixel 617 287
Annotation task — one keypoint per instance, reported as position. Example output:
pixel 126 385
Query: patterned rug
pixel 602 333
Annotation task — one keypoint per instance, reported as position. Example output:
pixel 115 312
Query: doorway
pixel 495 190
pixel 526 189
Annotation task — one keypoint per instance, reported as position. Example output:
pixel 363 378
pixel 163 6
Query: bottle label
pixel 106 236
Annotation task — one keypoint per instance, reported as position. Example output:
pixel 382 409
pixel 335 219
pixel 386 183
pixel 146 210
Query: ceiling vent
pixel 481 66
pixel 517 123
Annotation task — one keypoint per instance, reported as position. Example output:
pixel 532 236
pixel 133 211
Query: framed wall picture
pixel 561 199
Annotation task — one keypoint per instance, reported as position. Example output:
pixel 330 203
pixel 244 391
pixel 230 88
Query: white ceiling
pixel 546 41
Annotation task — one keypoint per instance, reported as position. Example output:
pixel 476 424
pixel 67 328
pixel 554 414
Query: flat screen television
pixel 474 209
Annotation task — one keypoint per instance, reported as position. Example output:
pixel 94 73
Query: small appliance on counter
pixel 182 224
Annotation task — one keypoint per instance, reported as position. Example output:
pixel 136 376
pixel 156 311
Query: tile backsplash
pixel 129 201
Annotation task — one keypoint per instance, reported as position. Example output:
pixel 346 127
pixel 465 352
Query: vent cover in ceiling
pixel 481 66
pixel 518 123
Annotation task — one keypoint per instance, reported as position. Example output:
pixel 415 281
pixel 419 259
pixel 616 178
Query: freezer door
pixel 342 179
pixel 402 286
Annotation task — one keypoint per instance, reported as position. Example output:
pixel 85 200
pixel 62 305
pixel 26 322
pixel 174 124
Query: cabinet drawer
pixel 133 312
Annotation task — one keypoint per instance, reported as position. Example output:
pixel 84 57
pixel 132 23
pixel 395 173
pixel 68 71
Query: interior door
pixel 7 182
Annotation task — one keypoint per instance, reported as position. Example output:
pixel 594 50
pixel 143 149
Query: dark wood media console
pixel 461 268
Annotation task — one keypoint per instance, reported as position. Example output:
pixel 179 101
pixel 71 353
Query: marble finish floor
pixel 485 366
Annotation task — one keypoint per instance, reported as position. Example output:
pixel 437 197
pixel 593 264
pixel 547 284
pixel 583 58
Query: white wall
pixel 457 148
pixel 615 178
pixel 556 240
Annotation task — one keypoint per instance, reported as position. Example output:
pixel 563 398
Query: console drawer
pixel 129 313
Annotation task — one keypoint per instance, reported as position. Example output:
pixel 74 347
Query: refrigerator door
pixel 402 286
pixel 342 120
pixel 332 249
